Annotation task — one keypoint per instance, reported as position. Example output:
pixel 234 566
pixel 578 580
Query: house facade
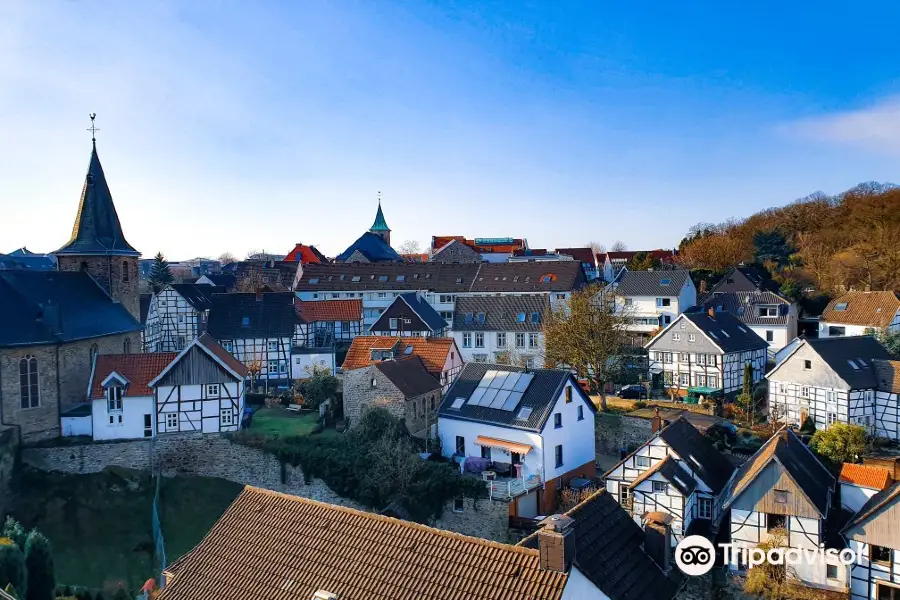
pixel 677 472
pixel 323 327
pixel 784 489
pixel 440 355
pixel 613 262
pixel 860 313
pixel 534 426
pixel 705 352
pixel 409 314
pixel 874 535
pixel 176 315
pixel 501 329
pixel 832 380
pixel 651 299
pixel 858 483
pixel 769 315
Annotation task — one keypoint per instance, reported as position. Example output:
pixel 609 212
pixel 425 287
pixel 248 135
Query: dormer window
pixel 114 398
pixel 245 322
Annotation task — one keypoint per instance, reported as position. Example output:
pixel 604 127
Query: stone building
pixel 53 323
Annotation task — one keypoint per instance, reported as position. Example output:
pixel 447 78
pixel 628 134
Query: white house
pixel 832 380
pixel 176 315
pixel 874 535
pixel 322 327
pixel 258 329
pixel 705 353
pixel 501 329
pixel 860 313
pixel 677 472
pixel 887 399
pixel 651 299
pixel 533 428
pixel 784 487
pixel 859 483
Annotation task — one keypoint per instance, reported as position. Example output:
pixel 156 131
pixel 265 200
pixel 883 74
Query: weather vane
pixel 379 197
pixel 92 128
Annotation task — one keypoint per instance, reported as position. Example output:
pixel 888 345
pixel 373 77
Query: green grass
pixel 99 524
pixel 277 421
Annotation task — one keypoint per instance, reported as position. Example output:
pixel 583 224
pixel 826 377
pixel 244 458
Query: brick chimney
pixel 656 422
pixel 711 312
pixel 657 538
pixel 556 543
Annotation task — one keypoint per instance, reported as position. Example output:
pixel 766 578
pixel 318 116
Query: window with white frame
pixel 768 311
pixel 171 421
pixel 663 302
pixel 712 381
pixel 228 345
pixel 212 390
pixel 532 340
pixel 704 508
pixel 659 487
pixel 691 337
pixel 272 346
pixel 642 461
pixel 676 336
pixel 520 340
pixel 804 392
pixel 393 323
pixel 226 417
pixel 701 380
pixel 684 379
pixel 501 340
pixel 629 301
pixel 832 418
pixel 479 340
pixel 684 357
pixel 467 340
pixel 114 398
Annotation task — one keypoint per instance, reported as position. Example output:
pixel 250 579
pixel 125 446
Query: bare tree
pixel 588 334
pixel 619 246
pixel 410 247
pixel 596 247
pixel 250 281
pixel 226 258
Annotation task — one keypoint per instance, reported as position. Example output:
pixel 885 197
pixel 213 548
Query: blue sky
pixel 230 125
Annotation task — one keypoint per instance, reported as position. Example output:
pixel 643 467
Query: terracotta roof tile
pixel 433 351
pixel 271 546
pixel 867 476
pixel 138 369
pixel 329 310
pixel 887 373
pixel 304 254
pixel 875 309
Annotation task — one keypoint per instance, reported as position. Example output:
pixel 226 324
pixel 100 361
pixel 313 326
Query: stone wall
pixel 614 432
pixel 110 274
pixel 483 518
pixel 9 445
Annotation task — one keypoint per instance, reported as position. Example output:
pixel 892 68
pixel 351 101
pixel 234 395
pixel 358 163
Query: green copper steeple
pixel 380 224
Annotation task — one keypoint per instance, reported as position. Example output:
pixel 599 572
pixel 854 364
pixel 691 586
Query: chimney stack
pixel 556 543
pixel 656 423
pixel 711 312
pixel 657 538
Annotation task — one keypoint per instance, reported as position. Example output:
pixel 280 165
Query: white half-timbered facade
pixel 322 327
pixel 832 380
pixel 783 488
pixel 874 535
pixel 677 472
pixel 200 391
pixel 706 351
pixel 176 315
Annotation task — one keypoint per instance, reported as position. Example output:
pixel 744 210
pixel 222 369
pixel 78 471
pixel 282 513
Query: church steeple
pixel 380 226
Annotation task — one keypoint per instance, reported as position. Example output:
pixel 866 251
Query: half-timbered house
pixel 176 315
pixel 409 315
pixel 677 472
pixel 887 398
pixel 201 390
pixel 322 328
pixel 832 380
pixel 258 329
pixel 874 535
pixel 705 353
pixel 783 488
pixel 858 483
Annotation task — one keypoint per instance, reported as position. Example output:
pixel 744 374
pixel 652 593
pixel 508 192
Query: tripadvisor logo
pixel 695 555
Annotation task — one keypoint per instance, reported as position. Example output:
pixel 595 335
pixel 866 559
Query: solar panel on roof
pixel 513 401
pixel 524 382
pixel 500 398
pixel 489 395
pixel 511 380
pixel 475 399
pixel 499 379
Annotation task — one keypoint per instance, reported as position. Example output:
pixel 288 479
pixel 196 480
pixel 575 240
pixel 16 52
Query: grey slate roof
pixel 679 477
pixel 410 376
pixel 97 229
pixel 708 463
pixel 743 306
pixel 861 349
pixel 650 283
pixel 744 278
pixel 724 330
pixel 197 295
pixel 423 310
pixel 83 310
pixel 540 396
pixel 272 316
pixel 501 313
pixel 609 550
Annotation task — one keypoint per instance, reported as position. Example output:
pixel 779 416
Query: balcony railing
pixel 509 488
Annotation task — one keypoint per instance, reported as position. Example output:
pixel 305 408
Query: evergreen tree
pixel 160 274
pixel 13 530
pixel 12 567
pixel 748 380
pixel 121 594
pixel 39 562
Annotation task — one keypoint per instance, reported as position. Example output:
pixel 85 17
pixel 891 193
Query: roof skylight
pixel 840 306
pixel 457 403
pixel 665 281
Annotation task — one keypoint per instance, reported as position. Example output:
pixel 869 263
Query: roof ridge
pixel 386 519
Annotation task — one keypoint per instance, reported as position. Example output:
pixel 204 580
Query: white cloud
pixel 875 128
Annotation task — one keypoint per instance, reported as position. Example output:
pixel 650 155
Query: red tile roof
pixel 439 241
pixel 875 309
pixel 138 369
pixel 866 476
pixel 304 254
pixel 417 257
pixel 432 351
pixel 328 310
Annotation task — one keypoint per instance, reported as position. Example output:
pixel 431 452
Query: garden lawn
pixel 277 421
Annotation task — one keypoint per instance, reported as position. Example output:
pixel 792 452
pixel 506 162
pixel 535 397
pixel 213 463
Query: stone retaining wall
pixel 484 518
pixel 613 432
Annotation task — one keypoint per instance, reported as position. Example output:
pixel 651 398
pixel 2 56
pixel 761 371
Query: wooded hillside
pixel 830 243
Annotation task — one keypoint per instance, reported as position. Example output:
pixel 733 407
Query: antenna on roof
pixel 93 129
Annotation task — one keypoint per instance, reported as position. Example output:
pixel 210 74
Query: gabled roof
pixel 874 309
pixel 838 352
pixel 270 316
pixel 500 245
pixel 744 278
pixel 874 505
pixel 432 350
pixel 208 345
pixel 355 554
pixel 540 396
pixel 420 307
pixel 144 301
pixel 609 551
pixel 672 472
pixel 440 254
pixel 811 477
pixel 698 453
pixel 409 375
pixel 585 255
pixel 138 369
pixel 721 329
pixel 198 296
pixel 225 280
pixel 867 476
pixel 501 313
pixel 650 283
pixel 329 310
pixel 305 254
pixel 887 373
pixel 97 229
pixel 48 307
pixel 372 247
pixel 743 306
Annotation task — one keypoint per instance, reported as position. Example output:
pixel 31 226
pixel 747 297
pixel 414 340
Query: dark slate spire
pixel 380 224
pixel 97 229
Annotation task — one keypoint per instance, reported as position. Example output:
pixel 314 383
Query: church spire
pixel 380 224
pixel 97 229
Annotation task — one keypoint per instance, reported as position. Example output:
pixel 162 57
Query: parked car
pixel 632 392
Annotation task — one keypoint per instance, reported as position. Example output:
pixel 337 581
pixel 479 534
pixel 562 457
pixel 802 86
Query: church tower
pixel 98 245
pixel 380 226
